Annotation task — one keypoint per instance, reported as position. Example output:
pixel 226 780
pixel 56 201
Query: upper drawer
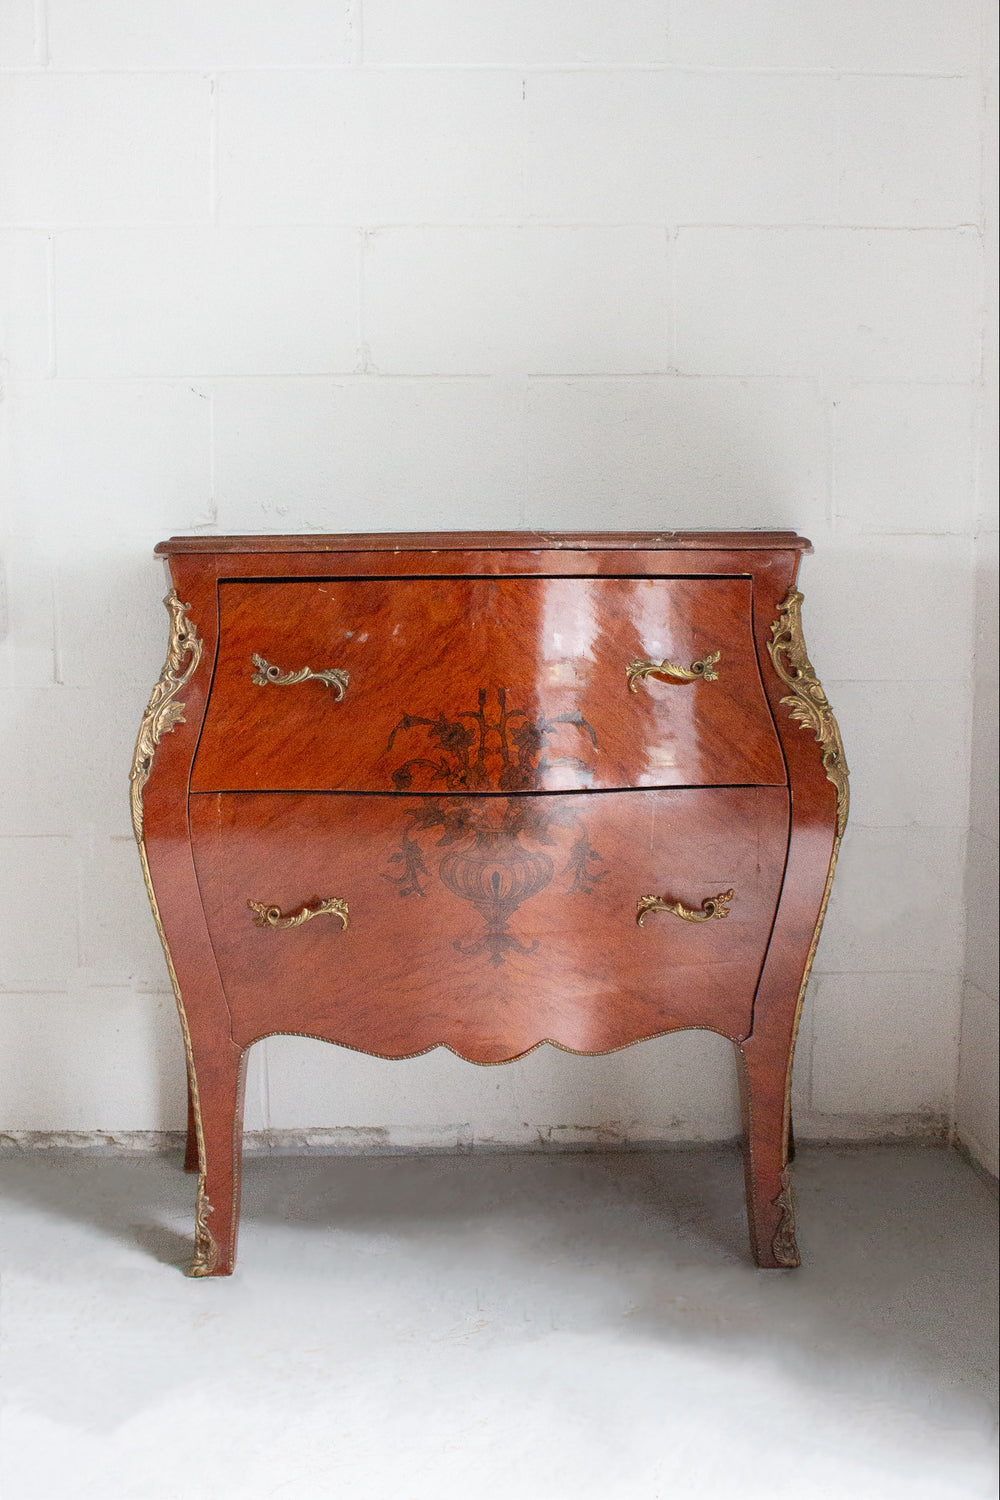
pixel 485 685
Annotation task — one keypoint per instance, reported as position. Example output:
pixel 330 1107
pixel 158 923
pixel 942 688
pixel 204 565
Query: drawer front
pixel 490 924
pixel 461 685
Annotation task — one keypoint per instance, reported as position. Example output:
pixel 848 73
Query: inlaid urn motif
pixel 489 861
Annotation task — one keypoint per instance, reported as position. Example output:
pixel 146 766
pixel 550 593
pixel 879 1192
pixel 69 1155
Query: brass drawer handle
pixel 703 670
pixel 712 906
pixel 270 916
pixel 335 677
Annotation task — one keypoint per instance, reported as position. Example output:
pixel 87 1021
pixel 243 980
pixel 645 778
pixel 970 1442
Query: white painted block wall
pixel 976 1102
pixel 379 265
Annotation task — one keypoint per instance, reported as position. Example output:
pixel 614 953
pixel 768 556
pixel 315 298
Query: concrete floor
pixel 524 1327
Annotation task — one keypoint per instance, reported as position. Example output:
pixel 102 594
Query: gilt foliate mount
pixel 163 713
pixel 807 703
pixel 164 709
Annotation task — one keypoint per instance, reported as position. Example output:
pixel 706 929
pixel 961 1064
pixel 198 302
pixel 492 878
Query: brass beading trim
pixel 163 711
pixel 810 707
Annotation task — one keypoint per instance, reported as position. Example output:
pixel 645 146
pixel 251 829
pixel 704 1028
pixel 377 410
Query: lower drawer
pixel 489 924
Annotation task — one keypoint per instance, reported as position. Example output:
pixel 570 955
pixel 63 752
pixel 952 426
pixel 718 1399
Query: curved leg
pixel 763 1070
pixel 220 1071
pixel 191 1144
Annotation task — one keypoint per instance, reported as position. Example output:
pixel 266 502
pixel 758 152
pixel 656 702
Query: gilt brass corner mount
pixel 206 1251
pixel 807 703
pixel 164 709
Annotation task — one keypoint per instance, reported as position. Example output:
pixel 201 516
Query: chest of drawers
pixel 485 791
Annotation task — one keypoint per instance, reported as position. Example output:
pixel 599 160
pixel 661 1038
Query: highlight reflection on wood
pixel 487 684
pixel 489 748
pixel 490 924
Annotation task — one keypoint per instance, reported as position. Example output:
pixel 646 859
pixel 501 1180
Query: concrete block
pixel 195 302
pixel 108 724
pixel 36 788
pixel 895 36
pixel 909 150
pixel 27 627
pixel 424 454
pixel 893 785
pixel 840 304
pixel 903 457
pixel 101 148
pixel 527 32
pixel 24 304
pixel 984 812
pixel 130 584
pixel 897 904
pixel 370 147
pixel 884 609
pixel 119 946
pixel 18 34
pixel 107 458
pixel 684 148
pixel 988 455
pixel 467 301
pixel 885 1043
pixel 75 777
pixel 675 452
pixel 197 33
pixel 979 1069
pixel 94 1060
pixel 982 878
pixel 39 913
pixel 676 1087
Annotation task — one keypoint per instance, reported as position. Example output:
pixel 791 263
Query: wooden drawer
pixel 490 924
pixel 462 685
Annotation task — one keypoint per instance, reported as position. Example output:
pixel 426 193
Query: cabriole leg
pixel 770 1212
pixel 221 1073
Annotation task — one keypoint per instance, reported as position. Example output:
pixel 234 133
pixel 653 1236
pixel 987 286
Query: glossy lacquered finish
pixel 490 924
pixel 486 684
pixel 415 788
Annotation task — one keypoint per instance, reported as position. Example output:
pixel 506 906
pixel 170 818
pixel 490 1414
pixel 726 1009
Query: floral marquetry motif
pixel 492 748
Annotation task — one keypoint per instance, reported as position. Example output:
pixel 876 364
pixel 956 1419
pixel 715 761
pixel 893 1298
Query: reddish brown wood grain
pixel 477 541
pixel 490 924
pixel 458 964
pixel 486 684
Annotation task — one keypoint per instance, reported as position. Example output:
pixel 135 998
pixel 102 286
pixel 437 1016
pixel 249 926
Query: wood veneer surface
pixel 506 858
pixel 490 924
pixel 486 685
